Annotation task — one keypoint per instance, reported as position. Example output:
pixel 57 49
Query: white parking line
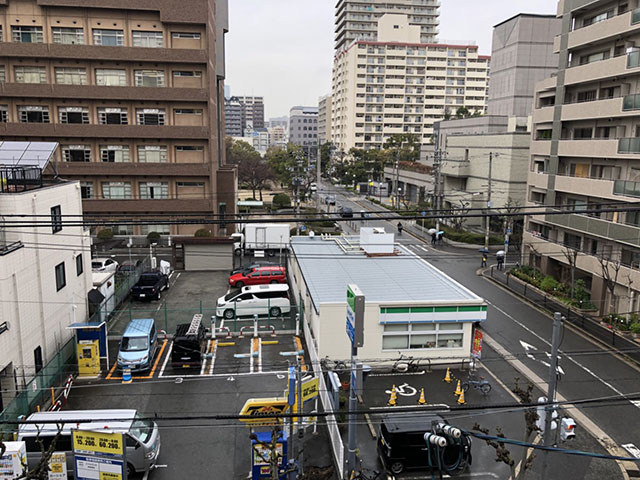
pixel 260 355
pixel 226 375
pixel 204 364
pixel 213 357
pixel 166 360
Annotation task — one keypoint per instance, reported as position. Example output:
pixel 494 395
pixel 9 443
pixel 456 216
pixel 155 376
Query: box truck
pixel 268 237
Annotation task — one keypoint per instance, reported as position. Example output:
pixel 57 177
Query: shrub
pixel 635 327
pixel 281 200
pixel 202 232
pixel 105 234
pixel 549 284
pixel 153 237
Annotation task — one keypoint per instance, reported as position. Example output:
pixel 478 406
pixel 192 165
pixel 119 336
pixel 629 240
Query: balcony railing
pixel 631 102
pixel 635 16
pixel 4 249
pixel 633 59
pixel 629 145
pixel 627 188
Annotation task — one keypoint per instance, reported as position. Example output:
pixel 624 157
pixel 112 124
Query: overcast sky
pixel 283 49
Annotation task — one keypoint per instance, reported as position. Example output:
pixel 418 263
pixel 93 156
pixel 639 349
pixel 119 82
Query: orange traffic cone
pixel 461 398
pixel 447 377
pixel 422 400
pixel 458 389
pixel 393 399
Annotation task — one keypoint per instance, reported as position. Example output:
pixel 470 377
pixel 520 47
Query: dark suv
pixel 189 346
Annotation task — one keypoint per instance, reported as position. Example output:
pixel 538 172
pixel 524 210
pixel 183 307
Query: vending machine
pixel 261 455
pixel 89 358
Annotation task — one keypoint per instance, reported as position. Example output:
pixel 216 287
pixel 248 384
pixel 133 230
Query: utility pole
pixel 296 179
pixel 318 175
pixel 487 218
pixel 437 201
pixel 397 181
pixel 548 434
pixel 300 426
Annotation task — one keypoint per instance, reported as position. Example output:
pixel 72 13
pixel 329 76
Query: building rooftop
pixel 534 15
pixel 22 164
pixel 328 268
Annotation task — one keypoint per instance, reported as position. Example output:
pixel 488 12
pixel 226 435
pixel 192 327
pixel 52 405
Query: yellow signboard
pixel 257 408
pixel 110 476
pixel 98 442
pixel 310 389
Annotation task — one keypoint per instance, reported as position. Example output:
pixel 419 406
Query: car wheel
pixel 397 467
pixel 271 253
pixel 465 387
pixel 274 312
pixel 130 470
pixel 486 388
pixel 237 252
pixel 229 314
pixel 239 284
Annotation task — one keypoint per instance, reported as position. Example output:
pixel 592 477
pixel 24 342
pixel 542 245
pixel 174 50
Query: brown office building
pixel 133 92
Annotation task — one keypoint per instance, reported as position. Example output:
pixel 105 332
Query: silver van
pixel 139 345
pixel 142 437
pixel 272 300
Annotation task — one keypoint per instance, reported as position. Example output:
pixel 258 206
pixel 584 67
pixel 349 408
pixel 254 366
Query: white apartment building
pixel 584 155
pixel 277 136
pixel 324 119
pixel 45 271
pixel 400 85
pixel 358 19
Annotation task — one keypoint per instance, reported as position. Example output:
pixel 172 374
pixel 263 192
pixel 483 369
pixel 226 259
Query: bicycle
pixel 405 364
pixel 483 385
pixel 370 475
pixel 328 364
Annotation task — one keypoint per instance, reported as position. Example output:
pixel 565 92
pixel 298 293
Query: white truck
pixel 266 237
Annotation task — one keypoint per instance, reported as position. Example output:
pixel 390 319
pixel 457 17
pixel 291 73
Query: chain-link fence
pixel 37 391
pixel 578 319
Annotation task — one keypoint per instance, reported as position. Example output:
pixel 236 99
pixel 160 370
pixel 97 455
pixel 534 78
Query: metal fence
pixel 37 391
pixel 578 319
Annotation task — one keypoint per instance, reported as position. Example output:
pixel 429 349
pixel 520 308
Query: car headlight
pixel 150 455
pixel 144 359
pixel 120 359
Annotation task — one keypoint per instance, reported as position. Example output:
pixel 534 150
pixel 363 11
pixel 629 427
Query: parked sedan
pixel 104 265
pixel 247 269
pixel 259 276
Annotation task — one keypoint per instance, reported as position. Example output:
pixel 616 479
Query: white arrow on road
pixel 528 348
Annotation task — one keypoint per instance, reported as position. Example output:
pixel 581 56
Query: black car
pixel 346 212
pixel 252 267
pixel 402 446
pixel 150 285
pixel 189 344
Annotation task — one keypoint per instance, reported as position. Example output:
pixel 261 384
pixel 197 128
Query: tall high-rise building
pixel 133 92
pixel 233 126
pixel 399 85
pixel 521 56
pixel 324 119
pixel 584 156
pixel 358 19
pixel 243 114
pixel 303 126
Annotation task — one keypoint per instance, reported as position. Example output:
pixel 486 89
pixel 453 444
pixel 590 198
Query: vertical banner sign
pixel 355 315
pixel 58 466
pixel 99 455
pixel 476 347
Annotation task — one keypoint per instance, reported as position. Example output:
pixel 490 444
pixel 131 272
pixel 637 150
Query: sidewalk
pixel 580 321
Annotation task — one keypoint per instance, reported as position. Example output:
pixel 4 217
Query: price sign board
pixel 99 455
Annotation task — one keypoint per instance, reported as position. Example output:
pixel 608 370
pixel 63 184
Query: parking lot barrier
pixel 126 375
pixel 393 399
pixel 459 390
pixel 447 377
pixel 223 329
pixel 461 400
pixel 422 400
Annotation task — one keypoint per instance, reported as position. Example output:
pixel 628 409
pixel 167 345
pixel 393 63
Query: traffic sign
pixel 303 228
pixel 355 315
pixel 423 213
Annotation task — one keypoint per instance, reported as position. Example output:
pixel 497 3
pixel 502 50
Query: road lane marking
pixel 586 369
pixel 166 360
pixel 260 356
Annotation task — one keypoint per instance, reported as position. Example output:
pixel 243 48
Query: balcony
pixel 10 247
pixel 595 71
pixel 538 180
pixel 629 145
pixel 604 30
pixel 605 108
pixel 591 147
pixel 626 188
pixel 543 115
pixel 100 53
pixel 204 206
pixel 57 130
pixel 615 232
pixel 594 187
pixel 541 147
pixel 91 169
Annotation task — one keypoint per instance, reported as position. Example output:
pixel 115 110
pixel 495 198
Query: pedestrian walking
pixel 483 263
pixel 433 238
pixel 500 259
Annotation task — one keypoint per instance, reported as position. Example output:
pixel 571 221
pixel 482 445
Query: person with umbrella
pixel 432 232
pixel 484 252
pixel 500 259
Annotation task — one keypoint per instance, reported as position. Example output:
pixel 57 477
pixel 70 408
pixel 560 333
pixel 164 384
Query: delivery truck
pixel 267 237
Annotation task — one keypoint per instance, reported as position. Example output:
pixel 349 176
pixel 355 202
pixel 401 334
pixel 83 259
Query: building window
pixel 108 38
pixel 71 76
pixel 147 39
pixel 188 111
pixel 4 113
pixel 154 190
pixel 3 75
pixel 30 74
pixel 111 77
pixel 86 190
pixel 187 73
pixel 190 36
pixel 23 34
pixel 68 36
pixel 73 115
pixel 1 34
pixel 403 336
pixel 150 116
pixel 61 279
pixel 122 229
pixel 33 114
pixel 116 190
pixel 79 265
pixel 161 229
pixel 56 219
pixel 152 154
pixel 114 153
pixel 76 153
pixel 189 148
pixel 149 78
pixel 37 358
pixel 112 116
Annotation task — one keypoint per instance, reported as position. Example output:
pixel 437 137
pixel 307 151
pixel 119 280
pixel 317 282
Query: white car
pixel 272 300
pixel 104 265
pixel 313 187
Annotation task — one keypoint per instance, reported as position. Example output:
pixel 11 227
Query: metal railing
pixel 626 187
pixel 629 145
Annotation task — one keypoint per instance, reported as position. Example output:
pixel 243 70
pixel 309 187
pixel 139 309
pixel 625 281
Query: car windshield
pixel 230 296
pixel 141 429
pixel 96 264
pixel 133 344
pixel 147 281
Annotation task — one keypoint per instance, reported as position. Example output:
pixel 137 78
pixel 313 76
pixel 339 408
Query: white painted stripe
pixel 547 343
pixel 166 360
pixel 251 360
pixel 213 358
pixel 203 367
pixel 260 355
pixel 226 375
pixel 423 248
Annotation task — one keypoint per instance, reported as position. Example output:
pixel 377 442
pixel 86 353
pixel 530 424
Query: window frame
pixel 98 33
pixel 413 330
pixel 16 33
pixel 147 39
pixel 80 73
pixel 79 265
pixel 56 219
pixel 61 33
pixel 61 276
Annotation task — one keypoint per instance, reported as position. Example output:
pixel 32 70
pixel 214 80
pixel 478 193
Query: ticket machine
pixel 88 358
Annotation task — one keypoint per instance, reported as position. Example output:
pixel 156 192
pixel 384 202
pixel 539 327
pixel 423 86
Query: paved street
pixel 590 371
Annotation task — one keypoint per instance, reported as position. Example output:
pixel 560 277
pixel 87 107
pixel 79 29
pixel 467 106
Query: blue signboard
pixel 292 386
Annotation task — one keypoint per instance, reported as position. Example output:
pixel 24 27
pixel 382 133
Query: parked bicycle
pixel 366 474
pixel 328 364
pixel 483 385
pixel 405 364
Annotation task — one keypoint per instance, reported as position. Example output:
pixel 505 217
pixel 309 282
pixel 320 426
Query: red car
pixel 258 276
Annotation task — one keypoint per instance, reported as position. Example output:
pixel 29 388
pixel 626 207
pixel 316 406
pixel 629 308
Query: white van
pixel 272 300
pixel 142 436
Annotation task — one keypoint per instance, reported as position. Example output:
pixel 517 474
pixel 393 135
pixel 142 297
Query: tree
pixel 41 470
pixel 458 218
pixel 239 151
pixel 462 112
pixel 282 161
pixel 405 145
pixel 254 173
pixel 447 114
pixel 571 254
pixel 610 271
